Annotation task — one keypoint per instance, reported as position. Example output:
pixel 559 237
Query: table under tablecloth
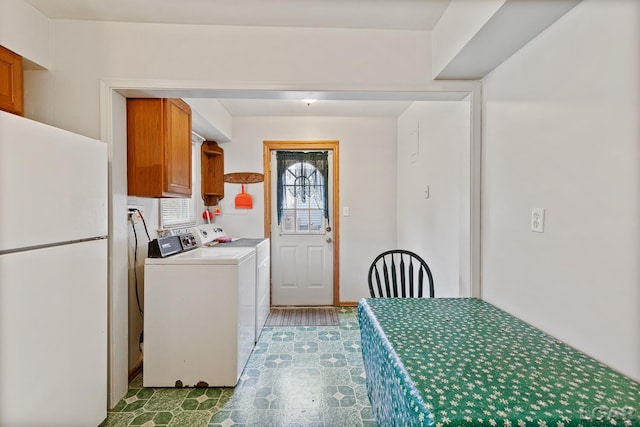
pixel 464 362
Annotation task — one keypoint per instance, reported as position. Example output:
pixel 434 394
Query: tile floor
pixel 296 376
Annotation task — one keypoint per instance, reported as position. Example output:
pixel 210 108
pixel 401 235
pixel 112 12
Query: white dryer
pixel 213 237
pixel 199 322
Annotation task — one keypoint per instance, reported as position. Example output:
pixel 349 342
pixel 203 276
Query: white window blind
pixel 176 213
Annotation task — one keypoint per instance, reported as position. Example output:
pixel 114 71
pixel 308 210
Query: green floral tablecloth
pixel 464 362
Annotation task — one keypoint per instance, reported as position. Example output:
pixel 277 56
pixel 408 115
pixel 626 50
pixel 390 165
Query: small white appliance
pixel 199 321
pixel 212 236
pixel 53 276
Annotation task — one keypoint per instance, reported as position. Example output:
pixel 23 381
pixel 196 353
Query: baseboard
pixel 348 304
pixel 135 371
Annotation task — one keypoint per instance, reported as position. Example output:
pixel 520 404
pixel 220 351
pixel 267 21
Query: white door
pixel 302 235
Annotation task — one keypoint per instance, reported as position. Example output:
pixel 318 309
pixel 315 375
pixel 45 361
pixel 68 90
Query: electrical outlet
pixel 537 220
pixel 138 208
pixel 134 216
pixel 134 213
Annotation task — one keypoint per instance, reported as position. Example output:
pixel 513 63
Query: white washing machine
pixel 199 321
pixel 212 236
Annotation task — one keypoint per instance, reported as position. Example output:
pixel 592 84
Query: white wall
pixel 25 30
pixel 433 152
pixel 150 209
pixel 367 148
pixel 82 53
pixel 118 244
pixel 562 132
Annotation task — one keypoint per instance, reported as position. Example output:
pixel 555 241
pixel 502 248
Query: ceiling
pixel 378 14
pixel 323 108
pixel 355 14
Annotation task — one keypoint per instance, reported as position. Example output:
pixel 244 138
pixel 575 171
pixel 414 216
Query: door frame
pixel 332 145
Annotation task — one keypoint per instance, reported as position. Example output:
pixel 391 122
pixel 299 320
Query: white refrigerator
pixel 53 276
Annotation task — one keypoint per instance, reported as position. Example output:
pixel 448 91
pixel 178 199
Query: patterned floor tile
pixel 305 347
pixel 266 418
pixel 330 346
pixel 336 376
pixel 227 417
pixel 352 346
pixel 282 335
pixel 357 375
pixel 278 361
pixel 281 347
pixel 339 396
pixel 309 376
pixel 261 347
pixel 162 418
pixel 305 360
pixel 304 417
pixel 191 418
pixel 143 418
pixel 333 360
pixel 268 398
pixel 240 399
pixel 301 397
pixel 134 405
pixel 344 417
pixel 168 400
pixel 118 420
pixel 256 360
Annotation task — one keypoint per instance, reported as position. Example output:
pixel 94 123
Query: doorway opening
pixel 113 95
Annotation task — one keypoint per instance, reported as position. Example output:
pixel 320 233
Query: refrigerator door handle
pixel 51 245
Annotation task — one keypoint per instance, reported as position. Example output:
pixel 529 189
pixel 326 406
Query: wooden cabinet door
pixel 177 147
pixel 158 148
pixel 11 92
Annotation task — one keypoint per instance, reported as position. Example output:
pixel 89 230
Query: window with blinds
pixel 176 213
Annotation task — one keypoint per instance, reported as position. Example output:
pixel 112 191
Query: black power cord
pixel 135 253
pixel 144 223
pixel 133 211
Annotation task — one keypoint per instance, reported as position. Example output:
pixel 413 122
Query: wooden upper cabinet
pixel 158 148
pixel 11 91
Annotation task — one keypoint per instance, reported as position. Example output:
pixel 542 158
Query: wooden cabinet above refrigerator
pixel 11 91
pixel 158 147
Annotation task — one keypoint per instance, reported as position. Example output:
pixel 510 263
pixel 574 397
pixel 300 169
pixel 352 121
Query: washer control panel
pixel 206 234
pixel 188 242
pixel 163 247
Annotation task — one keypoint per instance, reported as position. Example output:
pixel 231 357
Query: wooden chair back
pixel 399 273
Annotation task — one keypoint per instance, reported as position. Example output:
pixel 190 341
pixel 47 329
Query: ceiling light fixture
pixel 308 101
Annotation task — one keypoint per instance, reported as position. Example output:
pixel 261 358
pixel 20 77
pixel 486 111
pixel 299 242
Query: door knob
pixel 329 240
